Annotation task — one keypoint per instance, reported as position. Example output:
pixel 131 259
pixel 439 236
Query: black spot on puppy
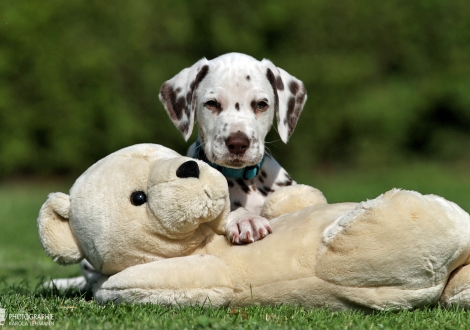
pixel 184 127
pixel 176 105
pixel 287 182
pixel 268 189
pixel 237 106
pixel 301 96
pixel 179 106
pixel 290 106
pixel 243 185
pixel 200 75
pixel 272 81
pixel 253 105
pixel 248 78
pixel 263 192
pixel 279 83
pixel 294 105
pixel 252 185
pixel 294 87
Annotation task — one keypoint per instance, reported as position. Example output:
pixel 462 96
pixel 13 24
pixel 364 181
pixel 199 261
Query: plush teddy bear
pixel 152 223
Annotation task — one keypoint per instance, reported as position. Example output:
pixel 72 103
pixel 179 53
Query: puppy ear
pixel 54 230
pixel 290 94
pixel 177 93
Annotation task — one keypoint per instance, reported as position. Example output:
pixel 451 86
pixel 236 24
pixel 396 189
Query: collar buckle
pixel 251 172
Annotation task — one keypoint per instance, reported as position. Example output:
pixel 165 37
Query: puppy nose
pixel 188 169
pixel 237 143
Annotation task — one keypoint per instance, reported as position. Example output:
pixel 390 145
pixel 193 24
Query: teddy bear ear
pixel 55 232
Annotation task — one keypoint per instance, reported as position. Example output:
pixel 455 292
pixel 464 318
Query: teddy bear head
pixel 139 204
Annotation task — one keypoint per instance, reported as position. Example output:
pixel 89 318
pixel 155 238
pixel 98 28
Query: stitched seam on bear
pixel 380 286
pixel 346 286
pixel 169 290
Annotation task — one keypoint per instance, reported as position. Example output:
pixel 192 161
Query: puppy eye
pixel 138 198
pixel 261 106
pixel 211 104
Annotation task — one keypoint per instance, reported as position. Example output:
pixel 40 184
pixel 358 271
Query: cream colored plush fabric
pixel 396 251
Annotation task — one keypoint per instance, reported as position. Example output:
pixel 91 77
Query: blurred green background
pixel 388 85
pixel 388 81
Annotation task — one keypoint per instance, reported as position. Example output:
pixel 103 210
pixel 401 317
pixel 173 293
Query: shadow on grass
pixel 41 290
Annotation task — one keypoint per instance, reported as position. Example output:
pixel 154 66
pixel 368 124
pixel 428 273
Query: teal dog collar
pixel 245 173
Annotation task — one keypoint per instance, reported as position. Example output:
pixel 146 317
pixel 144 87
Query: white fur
pixel 229 86
pixel 230 79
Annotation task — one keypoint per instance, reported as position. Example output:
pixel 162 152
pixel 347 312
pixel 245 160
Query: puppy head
pixel 234 99
pixel 137 205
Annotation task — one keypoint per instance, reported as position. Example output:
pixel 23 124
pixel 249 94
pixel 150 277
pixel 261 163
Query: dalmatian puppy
pixel 234 99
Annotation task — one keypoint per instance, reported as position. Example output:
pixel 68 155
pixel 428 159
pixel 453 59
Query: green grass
pixel 21 255
pixel 24 264
pixel 77 312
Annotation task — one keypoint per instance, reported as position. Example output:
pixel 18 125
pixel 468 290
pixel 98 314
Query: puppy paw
pixel 247 228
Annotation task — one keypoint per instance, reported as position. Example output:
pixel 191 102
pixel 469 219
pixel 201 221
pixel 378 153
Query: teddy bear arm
pixel 195 279
pixel 291 199
pixel 219 224
pixel 457 290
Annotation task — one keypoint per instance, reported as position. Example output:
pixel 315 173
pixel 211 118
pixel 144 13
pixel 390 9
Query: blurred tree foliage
pixel 387 80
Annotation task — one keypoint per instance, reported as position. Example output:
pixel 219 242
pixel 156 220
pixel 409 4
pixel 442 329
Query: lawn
pixel 24 265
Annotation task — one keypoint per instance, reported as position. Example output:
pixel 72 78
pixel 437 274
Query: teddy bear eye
pixel 138 198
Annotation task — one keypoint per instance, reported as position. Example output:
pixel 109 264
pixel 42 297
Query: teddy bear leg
pixel 457 290
pixel 198 279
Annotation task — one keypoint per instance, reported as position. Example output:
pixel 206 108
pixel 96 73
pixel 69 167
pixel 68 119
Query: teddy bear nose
pixel 188 169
